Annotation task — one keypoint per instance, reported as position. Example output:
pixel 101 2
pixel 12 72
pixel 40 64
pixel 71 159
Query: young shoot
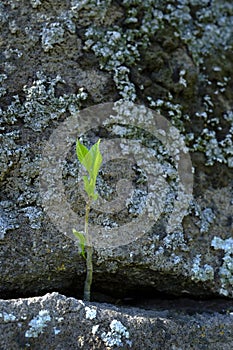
pixel 91 160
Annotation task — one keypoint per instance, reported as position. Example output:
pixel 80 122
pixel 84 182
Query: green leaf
pixel 82 241
pixel 96 158
pixel 91 160
pixel 88 187
pixel 81 151
pixel 95 196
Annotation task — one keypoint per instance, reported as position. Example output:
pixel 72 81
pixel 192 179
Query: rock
pixel 65 63
pixel 56 322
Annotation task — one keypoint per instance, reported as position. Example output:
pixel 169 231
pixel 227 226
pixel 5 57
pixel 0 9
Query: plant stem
pixel 89 251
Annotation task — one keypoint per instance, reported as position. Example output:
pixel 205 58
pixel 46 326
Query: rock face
pixel 56 322
pixel 167 66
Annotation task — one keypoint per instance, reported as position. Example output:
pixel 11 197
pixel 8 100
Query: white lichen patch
pixel 175 241
pixel 89 11
pixel 95 329
pixel 41 104
pixel 169 189
pixel 8 219
pixel 182 80
pixel 207 218
pixel 2 87
pixel 118 49
pixel 214 150
pixel 7 317
pixel 51 35
pixel 117 335
pixel 90 313
pixel 201 25
pixel 37 324
pixel 174 110
pixel 56 330
pixel 201 273
pixel 3 226
pixel 35 3
pixel 226 270
pixel 34 215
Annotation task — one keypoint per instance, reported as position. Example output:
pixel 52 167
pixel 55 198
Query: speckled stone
pixel 59 58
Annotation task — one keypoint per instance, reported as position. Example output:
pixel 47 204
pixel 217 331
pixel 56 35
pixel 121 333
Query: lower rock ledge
pixel 57 322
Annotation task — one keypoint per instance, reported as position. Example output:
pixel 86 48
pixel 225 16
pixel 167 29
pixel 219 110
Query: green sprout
pixel 91 160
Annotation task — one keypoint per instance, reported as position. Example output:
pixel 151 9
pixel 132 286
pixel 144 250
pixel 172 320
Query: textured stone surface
pixel 56 322
pixel 59 58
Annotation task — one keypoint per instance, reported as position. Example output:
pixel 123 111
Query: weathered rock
pixel 56 322
pixel 178 61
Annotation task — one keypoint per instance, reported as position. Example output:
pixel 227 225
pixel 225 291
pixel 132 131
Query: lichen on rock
pixel 37 324
pixel 226 269
pixel 175 57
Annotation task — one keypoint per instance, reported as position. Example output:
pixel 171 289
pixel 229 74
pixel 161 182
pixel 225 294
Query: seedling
pixel 91 160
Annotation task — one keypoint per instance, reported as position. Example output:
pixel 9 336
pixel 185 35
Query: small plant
pixel 91 160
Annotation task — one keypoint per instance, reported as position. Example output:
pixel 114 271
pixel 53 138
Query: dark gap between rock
pixel 145 299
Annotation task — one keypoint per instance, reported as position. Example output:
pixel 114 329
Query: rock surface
pixel 62 58
pixel 56 322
